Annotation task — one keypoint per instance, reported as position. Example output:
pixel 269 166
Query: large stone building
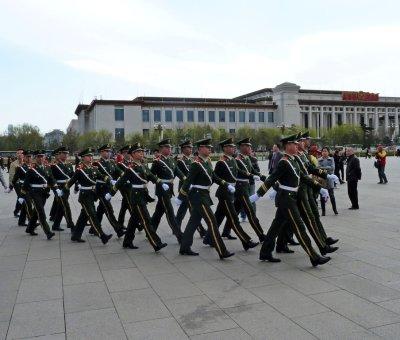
pixel 283 105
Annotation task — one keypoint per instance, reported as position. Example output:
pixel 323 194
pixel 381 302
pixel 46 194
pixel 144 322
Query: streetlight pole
pixel 160 130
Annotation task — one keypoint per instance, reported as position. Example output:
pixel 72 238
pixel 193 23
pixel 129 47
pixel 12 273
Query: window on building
pixel 232 131
pixel 119 134
pixel 252 116
pixel 168 115
pixel 157 115
pixel 270 117
pixel 306 120
pixel 179 116
pixel 200 116
pixel 222 116
pixel 145 116
pixel 211 116
pixel 339 119
pixel 190 116
pixel 242 116
pixel 261 117
pixel 146 132
pixel 119 113
pixel 232 116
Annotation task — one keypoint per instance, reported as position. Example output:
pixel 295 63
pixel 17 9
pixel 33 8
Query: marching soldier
pixel 62 172
pixel 123 164
pixel 38 182
pixel 245 173
pixel 183 164
pixel 17 182
pixel 226 169
pixel 196 188
pixel 138 175
pixel 86 176
pixel 165 169
pixel 11 172
pixel 288 176
pixel 107 167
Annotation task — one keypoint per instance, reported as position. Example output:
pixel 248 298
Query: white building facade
pixel 284 105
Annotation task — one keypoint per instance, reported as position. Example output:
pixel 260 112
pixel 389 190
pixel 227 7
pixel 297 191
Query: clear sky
pixel 55 54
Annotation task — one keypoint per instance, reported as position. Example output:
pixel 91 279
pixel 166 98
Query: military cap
pixel 105 147
pixel 305 135
pixel 124 148
pixel 245 141
pixel 136 147
pixel 186 143
pixel 165 142
pixel 204 142
pixel 227 142
pixel 61 149
pixel 86 152
pixel 28 153
pixel 39 153
pixel 289 139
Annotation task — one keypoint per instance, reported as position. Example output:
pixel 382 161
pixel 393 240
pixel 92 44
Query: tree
pixel 94 139
pixel 26 136
pixel 343 134
pixel 70 140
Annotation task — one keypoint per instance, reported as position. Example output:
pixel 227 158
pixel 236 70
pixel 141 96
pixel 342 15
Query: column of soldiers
pixel 290 186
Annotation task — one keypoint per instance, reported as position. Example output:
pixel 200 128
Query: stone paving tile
pixel 37 318
pixel 86 296
pixel 40 289
pixel 42 268
pixel 155 329
pixel 153 264
pixel 94 324
pixel 81 273
pixel 197 271
pixel 124 279
pixel 7 301
pixel 13 262
pixel 77 257
pixel 139 305
pixel 3 330
pixel 388 332
pixel 114 261
pixel 229 334
pixel 60 336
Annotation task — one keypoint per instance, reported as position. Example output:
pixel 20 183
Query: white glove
pixel 324 194
pixel 256 178
pixel 21 200
pixel 107 196
pixel 113 181
pixel 165 187
pixel 231 188
pixel 333 177
pixel 178 202
pixel 254 198
pixel 59 192
pixel 7 190
pixel 272 194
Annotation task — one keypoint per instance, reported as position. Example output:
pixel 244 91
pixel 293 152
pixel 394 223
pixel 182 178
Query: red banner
pixel 360 96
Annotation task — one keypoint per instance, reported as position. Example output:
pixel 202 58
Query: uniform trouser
pixel 288 212
pixel 64 210
pixel 242 201
pixel 124 206
pixel 26 211
pixel 225 208
pixel 105 207
pixel 140 216
pixel 314 209
pixel 332 199
pixel 18 207
pixel 55 208
pixel 202 211
pixel 88 212
pixel 164 205
pixel 38 200
pixel 185 205
pixel 353 193
pixel 252 190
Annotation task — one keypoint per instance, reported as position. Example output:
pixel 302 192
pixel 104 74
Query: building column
pixel 334 119
pixel 376 121
pixel 386 122
pixel 396 123
pixel 309 116
pixel 321 123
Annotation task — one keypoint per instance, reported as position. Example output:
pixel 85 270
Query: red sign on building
pixel 360 96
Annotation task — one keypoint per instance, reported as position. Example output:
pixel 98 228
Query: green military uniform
pixel 288 176
pixel 86 176
pixel 245 173
pixel 107 167
pixel 16 183
pixel 183 164
pixel 196 188
pixel 62 172
pixel 38 182
pixel 11 173
pixel 138 175
pixel 166 170
pixel 227 170
pixel 126 190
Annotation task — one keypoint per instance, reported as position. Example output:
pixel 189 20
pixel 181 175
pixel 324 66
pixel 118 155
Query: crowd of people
pixel 297 176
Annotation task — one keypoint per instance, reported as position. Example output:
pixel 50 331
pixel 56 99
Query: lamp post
pixel 160 129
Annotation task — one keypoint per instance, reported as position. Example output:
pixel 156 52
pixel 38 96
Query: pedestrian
pixel 353 175
pixel 275 158
pixel 327 163
pixel 380 164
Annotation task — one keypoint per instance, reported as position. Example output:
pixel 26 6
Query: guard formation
pixel 291 185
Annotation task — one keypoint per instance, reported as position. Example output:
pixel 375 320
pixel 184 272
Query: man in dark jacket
pixel 353 175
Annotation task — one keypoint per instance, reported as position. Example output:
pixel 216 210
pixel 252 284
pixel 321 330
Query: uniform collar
pixel 203 159
pixel 103 159
pixel 136 162
pixel 226 156
pixel 289 156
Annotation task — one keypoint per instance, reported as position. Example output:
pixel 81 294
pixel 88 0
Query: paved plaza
pixel 57 289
